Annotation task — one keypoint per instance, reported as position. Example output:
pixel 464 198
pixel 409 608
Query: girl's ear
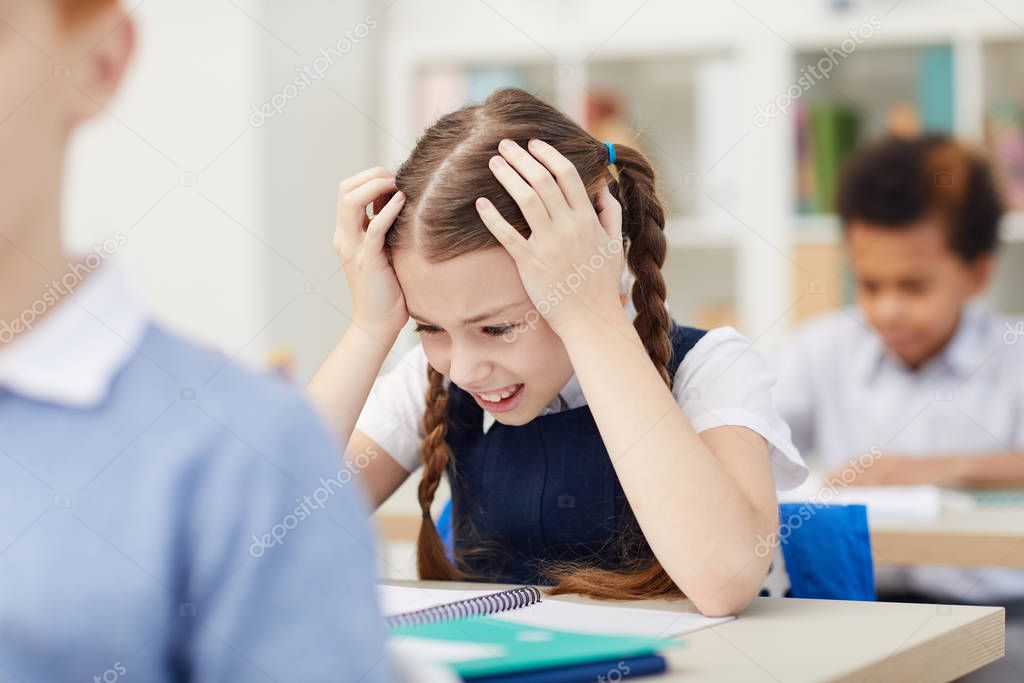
pixel 595 196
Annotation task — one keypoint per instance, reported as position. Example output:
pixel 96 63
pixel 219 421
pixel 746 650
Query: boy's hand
pixel 895 470
pixel 572 262
pixel 378 304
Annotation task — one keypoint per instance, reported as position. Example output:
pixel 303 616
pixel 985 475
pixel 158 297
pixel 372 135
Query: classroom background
pixel 746 108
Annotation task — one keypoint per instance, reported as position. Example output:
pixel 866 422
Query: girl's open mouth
pixel 501 400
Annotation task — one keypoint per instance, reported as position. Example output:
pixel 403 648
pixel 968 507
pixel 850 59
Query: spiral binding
pixel 514 598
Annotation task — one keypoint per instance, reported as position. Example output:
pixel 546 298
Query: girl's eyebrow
pixel 492 313
pixel 475 318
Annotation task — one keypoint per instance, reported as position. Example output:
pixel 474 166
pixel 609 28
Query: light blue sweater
pixel 196 525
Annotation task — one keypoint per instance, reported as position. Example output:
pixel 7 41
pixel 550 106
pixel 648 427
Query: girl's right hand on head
pixel 378 305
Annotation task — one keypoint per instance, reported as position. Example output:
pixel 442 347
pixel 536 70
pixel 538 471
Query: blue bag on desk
pixel 825 553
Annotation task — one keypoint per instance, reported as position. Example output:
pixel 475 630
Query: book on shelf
pixel 935 88
pixel 1005 134
pixel 829 130
pixel 826 134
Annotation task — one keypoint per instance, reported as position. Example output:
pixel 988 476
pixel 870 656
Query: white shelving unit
pixel 738 250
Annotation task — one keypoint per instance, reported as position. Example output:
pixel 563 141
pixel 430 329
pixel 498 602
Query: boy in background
pixel 164 515
pixel 919 372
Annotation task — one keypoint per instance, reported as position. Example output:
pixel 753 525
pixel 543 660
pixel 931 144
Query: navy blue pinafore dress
pixel 524 497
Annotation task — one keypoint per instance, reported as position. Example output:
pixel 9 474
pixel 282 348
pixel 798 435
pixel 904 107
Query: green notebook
pixel 486 646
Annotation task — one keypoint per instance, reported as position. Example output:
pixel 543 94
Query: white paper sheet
pixel 884 503
pixel 561 615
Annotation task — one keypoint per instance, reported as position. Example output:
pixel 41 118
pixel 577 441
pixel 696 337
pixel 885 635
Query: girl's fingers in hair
pixel 348 184
pixel 530 203
pixel 565 172
pixel 502 230
pixel 352 220
pixel 352 204
pixel 609 214
pixel 537 175
pixel 378 228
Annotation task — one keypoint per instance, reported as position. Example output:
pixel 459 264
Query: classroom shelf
pixel 824 229
pixel 444 86
pixel 689 89
pixel 1003 112
pixel 699 233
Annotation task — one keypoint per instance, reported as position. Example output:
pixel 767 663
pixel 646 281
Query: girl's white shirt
pixel 722 381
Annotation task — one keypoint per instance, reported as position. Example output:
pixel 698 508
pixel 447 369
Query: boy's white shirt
pixel 843 393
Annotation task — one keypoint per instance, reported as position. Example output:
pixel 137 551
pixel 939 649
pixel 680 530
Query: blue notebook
pixel 611 670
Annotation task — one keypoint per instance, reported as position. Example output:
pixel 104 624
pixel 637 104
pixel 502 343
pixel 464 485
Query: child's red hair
pixel 73 11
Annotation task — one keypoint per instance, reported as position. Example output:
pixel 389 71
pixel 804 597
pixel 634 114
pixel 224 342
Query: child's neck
pixel 30 260
pixel 937 351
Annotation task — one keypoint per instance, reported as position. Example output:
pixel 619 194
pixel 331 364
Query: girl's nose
pixel 467 367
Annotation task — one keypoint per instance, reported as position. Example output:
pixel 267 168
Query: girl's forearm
pixel 697 519
pixel 342 384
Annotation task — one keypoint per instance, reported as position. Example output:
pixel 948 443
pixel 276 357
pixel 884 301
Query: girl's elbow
pixel 724 603
pixel 716 596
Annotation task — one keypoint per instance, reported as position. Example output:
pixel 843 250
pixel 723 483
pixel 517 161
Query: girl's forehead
pixel 458 288
pixel 495 262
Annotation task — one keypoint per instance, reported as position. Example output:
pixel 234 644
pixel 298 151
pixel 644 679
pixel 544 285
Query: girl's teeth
pixel 500 396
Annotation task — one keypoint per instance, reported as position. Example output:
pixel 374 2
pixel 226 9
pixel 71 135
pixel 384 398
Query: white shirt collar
pixel 963 353
pixel 73 354
pixel 959 355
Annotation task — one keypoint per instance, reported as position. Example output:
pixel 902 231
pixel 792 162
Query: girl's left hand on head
pixel 571 264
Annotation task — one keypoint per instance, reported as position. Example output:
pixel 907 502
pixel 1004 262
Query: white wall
pixel 185 101
pixel 226 220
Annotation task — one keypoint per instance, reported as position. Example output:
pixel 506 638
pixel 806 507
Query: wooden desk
pixel 960 538
pixel 792 640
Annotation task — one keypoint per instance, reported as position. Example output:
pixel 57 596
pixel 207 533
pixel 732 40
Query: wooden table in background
pixel 968 538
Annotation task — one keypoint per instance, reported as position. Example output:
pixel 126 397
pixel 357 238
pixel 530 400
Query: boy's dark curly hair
pixel 895 183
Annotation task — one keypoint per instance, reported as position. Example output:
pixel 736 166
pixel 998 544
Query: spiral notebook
pixel 414 605
pixel 515 636
pixel 470 606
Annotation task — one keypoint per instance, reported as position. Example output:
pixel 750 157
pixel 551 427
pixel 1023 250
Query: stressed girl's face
pixel 480 329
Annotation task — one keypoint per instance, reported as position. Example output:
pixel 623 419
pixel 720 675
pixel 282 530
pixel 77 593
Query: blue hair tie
pixel 611 152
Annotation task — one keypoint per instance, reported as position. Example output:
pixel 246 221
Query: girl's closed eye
pixel 501 330
pixel 423 328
